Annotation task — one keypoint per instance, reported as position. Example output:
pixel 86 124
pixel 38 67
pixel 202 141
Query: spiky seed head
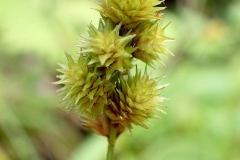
pixel 149 42
pixel 107 49
pixel 130 12
pixel 135 100
pixel 83 89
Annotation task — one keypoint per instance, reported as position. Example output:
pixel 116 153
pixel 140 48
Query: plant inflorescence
pixel 98 86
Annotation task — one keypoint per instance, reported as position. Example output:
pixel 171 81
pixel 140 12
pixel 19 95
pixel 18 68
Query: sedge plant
pixel 99 85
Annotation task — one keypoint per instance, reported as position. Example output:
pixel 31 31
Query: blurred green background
pixel 203 120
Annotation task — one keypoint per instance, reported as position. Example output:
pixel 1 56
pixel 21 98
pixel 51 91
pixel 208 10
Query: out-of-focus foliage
pixel 203 120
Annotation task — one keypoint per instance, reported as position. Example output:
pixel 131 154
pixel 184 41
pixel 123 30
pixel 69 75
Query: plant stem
pixel 111 142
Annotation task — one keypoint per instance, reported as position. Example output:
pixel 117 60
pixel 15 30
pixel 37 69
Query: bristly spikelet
pixel 83 89
pixel 149 42
pixel 135 100
pixel 107 49
pixel 130 12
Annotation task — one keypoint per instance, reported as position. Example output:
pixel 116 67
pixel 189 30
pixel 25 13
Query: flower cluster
pixel 99 86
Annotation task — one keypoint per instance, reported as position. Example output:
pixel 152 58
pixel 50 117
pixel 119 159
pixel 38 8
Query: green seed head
pixel 107 49
pixel 129 12
pixel 149 42
pixel 135 100
pixel 83 89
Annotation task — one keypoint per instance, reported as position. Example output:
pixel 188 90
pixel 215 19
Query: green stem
pixel 111 142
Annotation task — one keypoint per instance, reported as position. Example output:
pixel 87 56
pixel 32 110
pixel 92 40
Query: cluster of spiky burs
pixel 98 85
